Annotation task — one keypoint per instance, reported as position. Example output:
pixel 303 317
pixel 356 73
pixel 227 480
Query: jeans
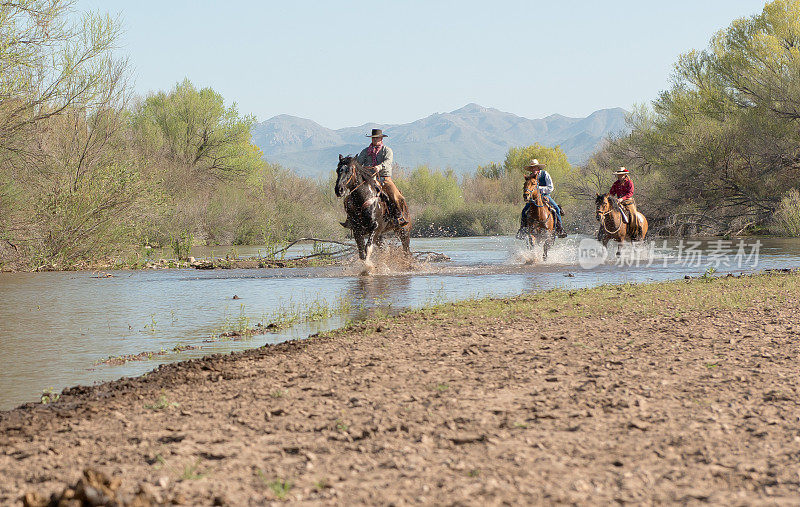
pixel 552 203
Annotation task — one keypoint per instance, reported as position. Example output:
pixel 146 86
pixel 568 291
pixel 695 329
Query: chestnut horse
pixel 367 212
pixel 539 220
pixel 608 213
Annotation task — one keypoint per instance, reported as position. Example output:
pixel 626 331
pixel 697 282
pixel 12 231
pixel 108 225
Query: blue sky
pixel 345 63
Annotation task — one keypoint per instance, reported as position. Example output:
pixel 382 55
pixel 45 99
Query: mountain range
pixel 461 140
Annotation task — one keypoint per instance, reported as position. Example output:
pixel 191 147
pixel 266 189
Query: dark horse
pixel 539 220
pixel 609 213
pixel 367 212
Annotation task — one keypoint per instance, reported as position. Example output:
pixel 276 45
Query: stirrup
pixel 401 221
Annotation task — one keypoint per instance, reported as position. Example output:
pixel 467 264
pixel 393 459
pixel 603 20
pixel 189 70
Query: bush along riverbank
pixel 668 392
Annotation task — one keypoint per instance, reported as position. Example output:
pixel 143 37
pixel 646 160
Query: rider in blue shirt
pixel 545 183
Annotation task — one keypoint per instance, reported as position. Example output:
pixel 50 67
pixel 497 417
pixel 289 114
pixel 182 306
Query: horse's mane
pixel 362 173
pixel 535 190
pixel 611 199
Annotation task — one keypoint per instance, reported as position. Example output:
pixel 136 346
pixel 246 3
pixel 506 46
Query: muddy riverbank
pixel 678 391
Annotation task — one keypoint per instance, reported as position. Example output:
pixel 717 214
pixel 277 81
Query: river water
pixel 57 328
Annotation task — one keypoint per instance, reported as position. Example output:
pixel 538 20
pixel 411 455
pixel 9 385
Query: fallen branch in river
pixel 316 240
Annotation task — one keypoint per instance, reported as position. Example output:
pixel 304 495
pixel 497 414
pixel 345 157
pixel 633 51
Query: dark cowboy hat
pixel 377 133
pixel 533 165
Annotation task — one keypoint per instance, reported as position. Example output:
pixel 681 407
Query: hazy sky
pixel 345 63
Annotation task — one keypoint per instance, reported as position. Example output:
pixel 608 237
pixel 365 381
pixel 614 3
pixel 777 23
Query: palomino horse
pixel 367 213
pixel 611 224
pixel 539 219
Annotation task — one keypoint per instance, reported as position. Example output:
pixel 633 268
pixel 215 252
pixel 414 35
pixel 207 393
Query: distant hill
pixel 461 140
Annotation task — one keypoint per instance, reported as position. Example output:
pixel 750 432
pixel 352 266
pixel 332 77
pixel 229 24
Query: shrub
pixel 786 220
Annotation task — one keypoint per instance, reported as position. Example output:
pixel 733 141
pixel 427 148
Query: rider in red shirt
pixel 622 189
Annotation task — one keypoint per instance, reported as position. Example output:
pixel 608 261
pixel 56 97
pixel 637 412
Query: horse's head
pixel 603 204
pixel 345 174
pixel 531 189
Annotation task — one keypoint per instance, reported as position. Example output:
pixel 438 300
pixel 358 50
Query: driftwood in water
pixel 349 249
pixel 424 256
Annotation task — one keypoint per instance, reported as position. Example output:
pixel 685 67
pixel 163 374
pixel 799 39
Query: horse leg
pixel 369 246
pixel 405 239
pixel 367 262
pixel 360 245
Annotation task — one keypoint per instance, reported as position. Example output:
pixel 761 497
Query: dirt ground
pixel 673 392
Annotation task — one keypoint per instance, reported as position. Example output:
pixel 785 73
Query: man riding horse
pixel 545 183
pixel 622 189
pixel 377 157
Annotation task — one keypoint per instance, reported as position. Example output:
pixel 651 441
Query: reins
pixel 603 221
pixel 531 200
pixel 371 177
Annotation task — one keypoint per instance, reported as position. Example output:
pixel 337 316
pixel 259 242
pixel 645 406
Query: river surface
pixel 56 329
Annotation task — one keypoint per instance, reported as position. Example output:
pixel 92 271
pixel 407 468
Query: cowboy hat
pixel 622 170
pixel 377 133
pixel 534 164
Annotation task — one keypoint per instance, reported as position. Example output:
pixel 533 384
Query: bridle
pixel 603 214
pixel 530 197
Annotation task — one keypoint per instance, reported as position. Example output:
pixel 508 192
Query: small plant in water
pixel 151 328
pixel 319 248
pixel 709 274
pixel 181 244
pixel 49 396
pixel 273 244
pixel 341 426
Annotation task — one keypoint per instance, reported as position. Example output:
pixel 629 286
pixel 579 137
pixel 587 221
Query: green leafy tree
pixel 556 160
pixel 68 187
pixel 198 132
pixel 720 147
pixel 48 64
pixel 426 187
